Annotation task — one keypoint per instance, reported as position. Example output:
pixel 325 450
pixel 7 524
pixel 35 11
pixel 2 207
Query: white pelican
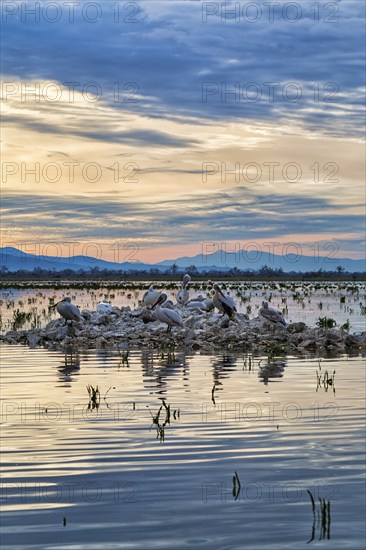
pixel 271 315
pixel 225 304
pixel 67 310
pixel 165 315
pixel 150 296
pixel 104 307
pixel 183 294
pixel 209 304
pixel 200 302
pixel 193 304
pixel 198 298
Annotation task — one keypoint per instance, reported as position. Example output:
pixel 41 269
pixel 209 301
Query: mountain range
pixel 14 259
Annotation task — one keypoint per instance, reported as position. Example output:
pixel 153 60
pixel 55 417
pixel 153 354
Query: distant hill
pixel 15 259
pixel 253 260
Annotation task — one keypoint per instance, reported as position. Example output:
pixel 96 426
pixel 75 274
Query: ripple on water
pixel 111 477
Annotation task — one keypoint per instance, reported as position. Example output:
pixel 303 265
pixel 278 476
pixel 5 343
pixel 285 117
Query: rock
pixel 14 336
pixel 114 334
pixel 296 327
pixel 58 334
pixel 137 312
pixel 308 344
pixel 352 341
pixel 86 314
pixel 203 331
pixel 334 337
pixel 148 316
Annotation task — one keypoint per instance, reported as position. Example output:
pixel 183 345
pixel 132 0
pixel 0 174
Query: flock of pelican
pixel 155 300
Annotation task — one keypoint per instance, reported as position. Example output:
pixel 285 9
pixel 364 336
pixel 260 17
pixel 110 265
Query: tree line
pixel 176 272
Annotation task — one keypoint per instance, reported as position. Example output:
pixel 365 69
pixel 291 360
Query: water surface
pixel 78 477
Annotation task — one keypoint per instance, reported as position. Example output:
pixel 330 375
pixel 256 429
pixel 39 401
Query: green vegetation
pixel 275 349
pixel 20 318
pixel 173 273
pixel 326 323
pixel 160 426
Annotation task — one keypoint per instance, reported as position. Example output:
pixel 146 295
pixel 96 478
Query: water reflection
pixel 325 380
pixel 321 518
pixel 161 368
pixel 222 367
pixel 271 370
pixel 176 444
pixel 69 369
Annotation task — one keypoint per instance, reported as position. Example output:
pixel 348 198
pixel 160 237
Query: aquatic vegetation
pixel 346 326
pixel 325 380
pixel 326 322
pixel 213 394
pixel 249 362
pixel 321 518
pixel 94 397
pixel 167 350
pixel 160 426
pixel 20 318
pixel 274 349
pixel 236 486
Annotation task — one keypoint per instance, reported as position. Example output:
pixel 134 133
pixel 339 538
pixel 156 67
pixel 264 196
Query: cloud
pixel 239 214
pixel 181 57
pixel 176 91
pixel 152 138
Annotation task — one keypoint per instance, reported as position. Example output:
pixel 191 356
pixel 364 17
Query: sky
pixel 149 130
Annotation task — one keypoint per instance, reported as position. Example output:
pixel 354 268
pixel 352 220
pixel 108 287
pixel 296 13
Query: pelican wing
pixel 170 317
pixel 75 311
pixel 272 315
pixel 227 304
pixel 104 308
pixel 150 297
pixel 209 305
pixel 196 304
pixel 68 311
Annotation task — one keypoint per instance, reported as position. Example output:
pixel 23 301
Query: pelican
pixel 150 296
pixel 198 298
pixel 225 304
pixel 271 315
pixel 104 307
pixel 200 302
pixel 165 315
pixel 67 310
pixel 209 304
pixel 193 304
pixel 183 294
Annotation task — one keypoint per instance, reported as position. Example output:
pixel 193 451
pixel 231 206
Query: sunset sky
pixel 165 125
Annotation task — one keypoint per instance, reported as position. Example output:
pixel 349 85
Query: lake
pixel 176 450
pixel 149 461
